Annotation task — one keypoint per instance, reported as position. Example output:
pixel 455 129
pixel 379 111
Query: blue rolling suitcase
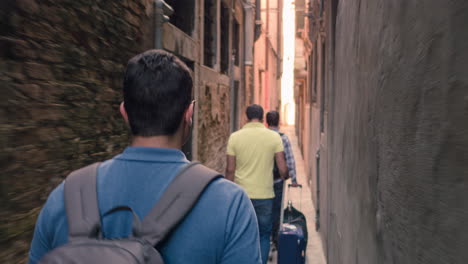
pixel 291 245
pixel 291 240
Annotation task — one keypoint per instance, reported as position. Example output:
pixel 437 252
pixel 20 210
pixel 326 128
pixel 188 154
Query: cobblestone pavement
pixel 315 254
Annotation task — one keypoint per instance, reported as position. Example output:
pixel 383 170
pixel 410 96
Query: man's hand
pixel 281 164
pixel 295 184
pixel 230 167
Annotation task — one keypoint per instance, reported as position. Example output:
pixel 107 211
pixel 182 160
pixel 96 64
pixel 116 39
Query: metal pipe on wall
pixel 162 12
pixel 249 32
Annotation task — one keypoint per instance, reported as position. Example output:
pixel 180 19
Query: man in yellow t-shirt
pixel 250 155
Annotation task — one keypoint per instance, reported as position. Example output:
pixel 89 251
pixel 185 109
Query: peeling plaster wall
pixel 398 133
pixel 214 119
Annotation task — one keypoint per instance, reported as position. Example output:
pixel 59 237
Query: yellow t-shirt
pixel 254 147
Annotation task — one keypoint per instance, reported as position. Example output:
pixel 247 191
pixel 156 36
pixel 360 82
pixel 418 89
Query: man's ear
pixel 123 112
pixel 188 114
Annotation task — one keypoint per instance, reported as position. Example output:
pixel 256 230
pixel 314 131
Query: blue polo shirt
pixel 221 228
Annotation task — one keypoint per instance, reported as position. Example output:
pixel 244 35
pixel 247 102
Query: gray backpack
pixel 85 241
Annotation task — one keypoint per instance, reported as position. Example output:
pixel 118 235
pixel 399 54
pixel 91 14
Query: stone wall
pixel 398 133
pixel 61 67
pixel 214 119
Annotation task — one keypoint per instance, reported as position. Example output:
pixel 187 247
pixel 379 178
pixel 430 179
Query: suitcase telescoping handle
pixel 282 208
pixel 300 197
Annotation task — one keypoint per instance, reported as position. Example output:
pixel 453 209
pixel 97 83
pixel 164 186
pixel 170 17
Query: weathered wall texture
pixel 214 119
pixel 398 140
pixel 61 67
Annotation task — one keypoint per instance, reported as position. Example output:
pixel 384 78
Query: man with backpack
pixel 250 155
pixel 148 204
pixel 272 118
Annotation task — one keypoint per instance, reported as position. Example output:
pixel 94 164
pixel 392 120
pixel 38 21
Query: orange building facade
pixel 268 54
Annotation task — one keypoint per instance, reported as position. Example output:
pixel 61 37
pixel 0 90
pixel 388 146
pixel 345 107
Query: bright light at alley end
pixel 287 81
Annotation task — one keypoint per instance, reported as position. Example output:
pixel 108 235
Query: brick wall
pixel 61 65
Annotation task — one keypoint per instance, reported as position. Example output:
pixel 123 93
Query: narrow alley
pixel 372 93
pixel 301 200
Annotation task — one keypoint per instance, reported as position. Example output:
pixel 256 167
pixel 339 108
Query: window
pixel 236 42
pixel 224 38
pixel 184 13
pixel 311 77
pixel 311 92
pixel 209 38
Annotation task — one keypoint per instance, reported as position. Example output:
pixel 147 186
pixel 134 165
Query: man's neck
pixel 157 142
pixel 273 127
pixel 255 120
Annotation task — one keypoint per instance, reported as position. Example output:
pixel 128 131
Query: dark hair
pixel 272 118
pixel 157 90
pixel 254 111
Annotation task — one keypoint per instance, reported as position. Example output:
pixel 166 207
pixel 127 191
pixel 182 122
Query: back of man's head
pixel 272 118
pixel 157 91
pixel 254 111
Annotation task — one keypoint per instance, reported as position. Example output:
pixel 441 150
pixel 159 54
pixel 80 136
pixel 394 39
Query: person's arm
pixel 289 156
pixel 242 241
pixel 47 221
pixel 230 167
pixel 40 244
pixel 279 156
pixel 281 163
pixel 230 159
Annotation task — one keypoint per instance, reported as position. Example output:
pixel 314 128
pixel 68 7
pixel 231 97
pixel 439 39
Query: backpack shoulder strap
pixel 81 202
pixel 177 201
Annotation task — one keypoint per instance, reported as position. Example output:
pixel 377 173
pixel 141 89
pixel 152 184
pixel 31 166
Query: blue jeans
pixel 263 209
pixel 278 187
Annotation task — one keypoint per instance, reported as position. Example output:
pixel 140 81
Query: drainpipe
pixel 279 42
pixel 248 57
pixel 267 57
pixel 231 68
pixel 249 32
pixel 317 176
pixel 162 12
